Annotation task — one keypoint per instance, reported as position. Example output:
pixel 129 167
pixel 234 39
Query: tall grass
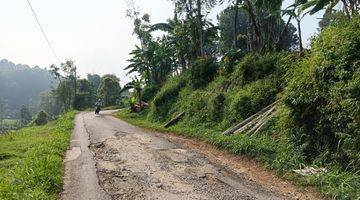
pixel 31 160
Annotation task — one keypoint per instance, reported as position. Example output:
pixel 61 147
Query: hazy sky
pixel 95 33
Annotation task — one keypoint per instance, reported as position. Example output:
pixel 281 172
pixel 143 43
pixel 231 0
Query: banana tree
pixel 298 11
pixel 351 7
pixel 195 10
pixel 182 35
pixel 137 85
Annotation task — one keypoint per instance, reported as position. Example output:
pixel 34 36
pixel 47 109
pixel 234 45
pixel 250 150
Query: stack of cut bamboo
pixel 254 123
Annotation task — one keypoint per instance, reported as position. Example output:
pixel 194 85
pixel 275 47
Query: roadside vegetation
pixel 31 160
pixel 218 81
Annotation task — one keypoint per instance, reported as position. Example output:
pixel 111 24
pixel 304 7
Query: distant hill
pixel 22 85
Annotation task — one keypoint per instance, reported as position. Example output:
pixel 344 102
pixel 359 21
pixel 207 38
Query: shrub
pixel 253 67
pixel 41 118
pixel 149 92
pixel 250 99
pixel 161 104
pixel 229 60
pixel 323 96
pixel 202 72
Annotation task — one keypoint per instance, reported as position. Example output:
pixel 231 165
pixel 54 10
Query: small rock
pixel 310 171
pixel 201 175
pixel 99 145
pixel 159 185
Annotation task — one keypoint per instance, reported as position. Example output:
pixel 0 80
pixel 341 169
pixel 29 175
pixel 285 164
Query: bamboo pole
pixel 246 121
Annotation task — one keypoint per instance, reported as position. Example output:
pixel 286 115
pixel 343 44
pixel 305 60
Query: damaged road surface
pixel 111 159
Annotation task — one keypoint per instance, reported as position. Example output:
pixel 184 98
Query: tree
pixel 66 74
pixel 50 103
pixel 109 89
pixel 195 12
pixel 298 11
pixel 94 80
pixel 21 84
pixel 137 85
pixel 85 97
pixel 155 58
pixel 350 7
pixel 2 114
pixel 25 116
pixel 226 25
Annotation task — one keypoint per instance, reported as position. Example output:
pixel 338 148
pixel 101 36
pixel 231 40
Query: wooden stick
pixel 261 121
pixel 174 120
pixel 238 126
pixel 262 125
pixel 257 121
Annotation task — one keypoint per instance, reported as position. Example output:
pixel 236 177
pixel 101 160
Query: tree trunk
pixel 200 27
pixel 249 34
pixel 255 23
pixel 75 87
pixel 236 13
pixel 300 37
pixel 282 34
pixel 347 12
pixel 269 41
pixel 139 99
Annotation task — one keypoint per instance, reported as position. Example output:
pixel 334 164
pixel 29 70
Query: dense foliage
pixel 316 90
pixel 323 97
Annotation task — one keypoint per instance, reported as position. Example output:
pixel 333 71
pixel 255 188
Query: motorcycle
pixel 97 110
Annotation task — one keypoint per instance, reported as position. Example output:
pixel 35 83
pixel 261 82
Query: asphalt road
pixel 111 159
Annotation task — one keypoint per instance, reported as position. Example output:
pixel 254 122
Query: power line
pixel 43 32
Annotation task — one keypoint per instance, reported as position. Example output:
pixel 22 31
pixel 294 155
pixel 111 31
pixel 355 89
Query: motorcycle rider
pixel 98 105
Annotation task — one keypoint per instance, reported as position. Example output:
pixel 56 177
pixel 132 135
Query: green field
pixel 31 165
pixel 10 121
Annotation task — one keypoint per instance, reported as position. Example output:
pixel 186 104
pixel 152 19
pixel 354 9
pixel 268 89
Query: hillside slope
pixel 31 165
pixel 317 121
pixel 22 85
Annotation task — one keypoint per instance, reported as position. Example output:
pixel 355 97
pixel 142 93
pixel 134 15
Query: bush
pixel 149 92
pixel 41 118
pixel 229 60
pixel 254 67
pixel 323 97
pixel 250 99
pixel 163 100
pixel 202 72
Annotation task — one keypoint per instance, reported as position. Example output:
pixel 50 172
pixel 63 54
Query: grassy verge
pixel 273 153
pixel 31 165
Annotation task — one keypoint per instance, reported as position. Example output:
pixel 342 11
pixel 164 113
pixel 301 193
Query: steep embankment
pixel 317 121
pixel 31 160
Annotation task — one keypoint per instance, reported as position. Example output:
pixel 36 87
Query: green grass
pixel 272 152
pixel 10 122
pixel 31 165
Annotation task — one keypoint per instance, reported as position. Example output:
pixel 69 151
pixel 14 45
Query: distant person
pixel 98 105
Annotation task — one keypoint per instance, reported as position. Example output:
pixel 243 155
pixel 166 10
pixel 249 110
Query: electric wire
pixel 43 32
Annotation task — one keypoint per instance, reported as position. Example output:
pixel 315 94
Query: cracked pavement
pixel 111 159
